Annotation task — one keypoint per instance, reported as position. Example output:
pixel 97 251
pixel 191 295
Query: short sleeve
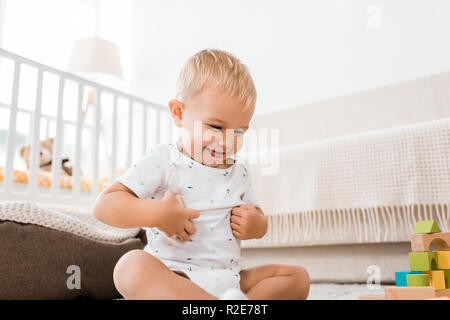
pixel 146 175
pixel 249 196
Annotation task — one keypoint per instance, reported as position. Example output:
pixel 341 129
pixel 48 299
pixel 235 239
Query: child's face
pixel 213 126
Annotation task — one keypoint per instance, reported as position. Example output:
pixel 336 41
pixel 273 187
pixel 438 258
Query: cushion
pixel 37 262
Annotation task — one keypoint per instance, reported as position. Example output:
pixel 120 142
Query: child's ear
pixel 176 110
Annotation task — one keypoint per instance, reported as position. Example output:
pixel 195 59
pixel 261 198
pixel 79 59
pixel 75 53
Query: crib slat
pixel 11 144
pixel 96 150
pixel 130 134
pixel 8 186
pixel 47 127
pixel 77 158
pixel 35 144
pixel 112 174
pixel 58 139
pixel 75 78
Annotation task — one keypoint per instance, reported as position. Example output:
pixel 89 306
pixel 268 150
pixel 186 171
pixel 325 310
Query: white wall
pixel 298 51
pixel 44 30
pixel 2 20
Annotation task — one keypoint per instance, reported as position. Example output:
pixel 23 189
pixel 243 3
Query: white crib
pixel 143 123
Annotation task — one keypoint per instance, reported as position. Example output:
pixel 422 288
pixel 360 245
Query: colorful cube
pixel 442 293
pixel 422 261
pixel 437 279
pixel 418 280
pixel 443 259
pixel 409 293
pixel 426 226
pixel 438 298
pixel 400 277
pixel 447 278
pixel 422 242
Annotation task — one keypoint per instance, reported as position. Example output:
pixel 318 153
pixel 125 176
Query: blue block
pixel 400 277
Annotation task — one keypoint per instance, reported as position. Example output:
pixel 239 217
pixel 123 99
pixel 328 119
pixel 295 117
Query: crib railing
pixel 54 195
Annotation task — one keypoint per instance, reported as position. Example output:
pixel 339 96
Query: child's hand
pixel 248 222
pixel 175 219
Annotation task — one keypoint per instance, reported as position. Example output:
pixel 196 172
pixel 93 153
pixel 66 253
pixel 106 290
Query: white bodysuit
pixel 211 257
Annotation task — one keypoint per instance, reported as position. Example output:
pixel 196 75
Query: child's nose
pixel 226 144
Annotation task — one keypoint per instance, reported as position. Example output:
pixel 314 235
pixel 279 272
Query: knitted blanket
pixel 74 220
pixel 370 187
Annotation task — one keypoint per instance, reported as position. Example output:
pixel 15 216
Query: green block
pixel 423 261
pixel 418 280
pixel 447 278
pixel 400 277
pixel 426 226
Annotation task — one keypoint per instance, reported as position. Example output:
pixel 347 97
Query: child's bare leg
pixel 139 275
pixel 275 281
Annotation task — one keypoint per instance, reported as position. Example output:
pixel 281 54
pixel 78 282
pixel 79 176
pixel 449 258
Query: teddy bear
pixel 46 157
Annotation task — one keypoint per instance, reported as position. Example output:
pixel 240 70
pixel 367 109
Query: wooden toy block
pixel 443 293
pixel 426 226
pixel 409 293
pixel 421 242
pixel 372 297
pixel 400 277
pixel 443 259
pixel 437 279
pixel 439 298
pixel 422 261
pixel 447 278
pixel 418 280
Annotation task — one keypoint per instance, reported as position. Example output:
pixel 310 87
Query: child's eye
pixel 215 127
pixel 236 132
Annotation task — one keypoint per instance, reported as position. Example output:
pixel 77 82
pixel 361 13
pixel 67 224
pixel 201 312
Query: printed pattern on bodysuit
pixel 214 192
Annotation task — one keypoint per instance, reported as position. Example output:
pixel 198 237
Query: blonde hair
pixel 219 68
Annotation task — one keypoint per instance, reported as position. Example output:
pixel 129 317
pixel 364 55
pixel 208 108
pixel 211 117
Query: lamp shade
pixel 95 55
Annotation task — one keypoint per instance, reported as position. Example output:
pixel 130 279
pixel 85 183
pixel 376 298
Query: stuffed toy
pixel 45 157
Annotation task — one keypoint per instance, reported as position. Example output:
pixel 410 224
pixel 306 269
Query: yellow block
pixel 443 259
pixel 437 279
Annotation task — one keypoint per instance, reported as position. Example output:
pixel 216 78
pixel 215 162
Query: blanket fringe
pixel 350 225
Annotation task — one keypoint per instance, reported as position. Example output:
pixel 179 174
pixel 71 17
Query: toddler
pixel 194 198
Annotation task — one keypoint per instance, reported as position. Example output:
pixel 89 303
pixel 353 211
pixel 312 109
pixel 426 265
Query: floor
pixel 334 291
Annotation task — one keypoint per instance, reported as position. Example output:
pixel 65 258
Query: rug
pixel 346 291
